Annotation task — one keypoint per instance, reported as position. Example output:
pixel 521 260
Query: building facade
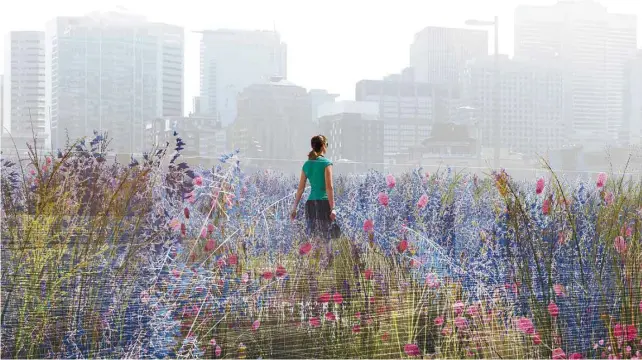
pixel 595 46
pixel 24 83
pixel 112 72
pixel 532 106
pixel 632 129
pixel 232 60
pixel 355 132
pixel 273 127
pixel 408 110
pixel 438 55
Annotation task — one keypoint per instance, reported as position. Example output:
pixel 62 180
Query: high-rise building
pixel 24 83
pixel 232 60
pixel 438 55
pixel 408 110
pixel 112 72
pixel 355 133
pixel 531 108
pixel 317 98
pixel 632 129
pixel 273 127
pixel 594 46
pixel 1 104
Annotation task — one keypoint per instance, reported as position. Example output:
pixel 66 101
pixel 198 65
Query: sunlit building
pixel 112 72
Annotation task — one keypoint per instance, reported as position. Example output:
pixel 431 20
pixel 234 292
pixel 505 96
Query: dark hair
pixel 317 143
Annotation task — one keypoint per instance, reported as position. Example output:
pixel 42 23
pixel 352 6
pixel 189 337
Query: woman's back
pixel 315 172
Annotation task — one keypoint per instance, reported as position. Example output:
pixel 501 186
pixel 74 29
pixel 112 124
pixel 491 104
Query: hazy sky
pixel 331 43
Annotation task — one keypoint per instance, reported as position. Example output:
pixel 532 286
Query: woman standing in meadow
pixel 319 208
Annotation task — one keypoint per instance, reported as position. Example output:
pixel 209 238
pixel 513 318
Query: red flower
pixel 186 213
pixel 383 198
pixel 631 333
pixel 575 356
pixel 233 260
pixel 368 226
pixel 210 245
pixel 553 310
pixel 385 337
pixel 314 322
pixel 618 331
pixel 546 207
pixel 210 228
pixel 536 339
pixel 267 275
pixel 330 316
pixel 411 350
pixel 368 274
pixel 183 229
pixel 337 298
pixel 198 181
pixel 559 354
pixel 539 188
pixel 305 248
pixel 280 271
pixel 356 329
pixel 402 246
pixel 324 298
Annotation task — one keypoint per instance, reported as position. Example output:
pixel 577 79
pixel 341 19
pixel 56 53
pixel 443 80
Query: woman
pixel 319 209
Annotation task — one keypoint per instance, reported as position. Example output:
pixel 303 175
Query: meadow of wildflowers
pixel 153 258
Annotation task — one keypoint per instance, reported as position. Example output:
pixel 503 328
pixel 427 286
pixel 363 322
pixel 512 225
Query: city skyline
pixel 327 59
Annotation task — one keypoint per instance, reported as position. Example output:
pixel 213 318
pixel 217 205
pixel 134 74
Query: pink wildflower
pixel 213 342
pixel 559 354
pixel 203 233
pixel 423 201
pixel 390 181
pixel 546 207
pixel 402 246
pixel 314 322
pixel 472 311
pixel 525 325
pixel 383 199
pixel 368 274
pixel 210 245
pixel 198 181
pixel 245 278
pixel 558 289
pixel 329 316
pixel 458 307
pixel 631 332
pixel 255 325
pixel 461 323
pixel 356 329
pixel 305 248
pixel 618 331
pixel 539 187
pixel 411 350
pixel 267 275
pixel 439 320
pixel 620 245
pixel 536 338
pixel 233 259
pixel 324 298
pixel 601 180
pixel 280 271
pixel 553 310
pixel 368 226
pixel 432 281
pixel 210 228
pixel 186 213
pixel 218 351
pixel 576 356
pixel 337 298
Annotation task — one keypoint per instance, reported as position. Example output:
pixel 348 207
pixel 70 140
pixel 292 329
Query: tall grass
pixel 155 259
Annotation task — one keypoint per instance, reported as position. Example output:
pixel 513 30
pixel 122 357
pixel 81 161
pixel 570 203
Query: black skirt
pixel 317 214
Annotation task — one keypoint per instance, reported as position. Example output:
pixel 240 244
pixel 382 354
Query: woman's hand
pixel 333 215
pixel 293 214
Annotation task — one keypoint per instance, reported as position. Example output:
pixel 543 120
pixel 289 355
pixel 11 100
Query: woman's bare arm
pixel 329 186
pixel 299 193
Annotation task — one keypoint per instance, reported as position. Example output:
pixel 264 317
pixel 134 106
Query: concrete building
pixel 112 72
pixel 632 129
pixel 408 110
pixel 273 127
pixel 317 98
pixel 232 60
pixel 595 47
pixel 24 83
pixel 355 132
pixel 532 106
pixel 438 55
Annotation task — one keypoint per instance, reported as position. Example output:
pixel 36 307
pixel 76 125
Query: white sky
pixel 332 44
